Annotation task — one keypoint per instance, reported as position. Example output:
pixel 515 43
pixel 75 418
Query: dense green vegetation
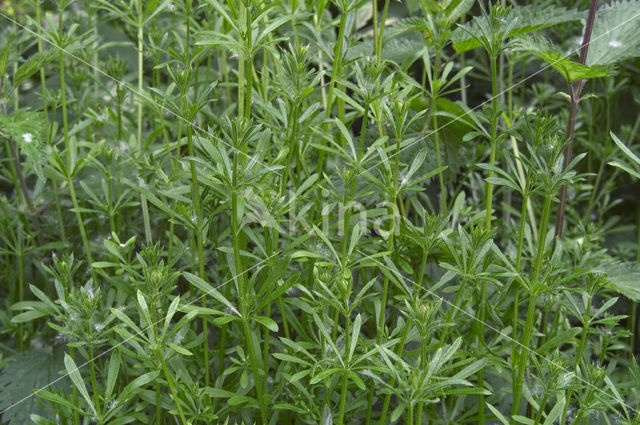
pixel 330 211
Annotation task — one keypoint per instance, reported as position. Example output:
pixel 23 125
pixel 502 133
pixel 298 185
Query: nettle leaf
pixel 26 372
pixel 26 128
pixel 527 19
pixel 615 35
pixel 570 70
pixel 623 277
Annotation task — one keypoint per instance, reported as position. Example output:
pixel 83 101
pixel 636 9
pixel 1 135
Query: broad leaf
pixel 624 278
pixel 616 34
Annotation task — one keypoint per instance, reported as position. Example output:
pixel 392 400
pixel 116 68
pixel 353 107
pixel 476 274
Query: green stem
pixel 583 337
pixel 541 408
pixel 143 199
pixel 383 23
pixel 243 290
pixel 450 314
pixel 479 341
pixel 345 376
pixel 195 193
pixel 524 352
pixel 74 391
pixel 249 65
pixel 524 356
pixel 94 382
pixel 255 369
pixel 387 399
pixel 335 74
pixel 494 134
pixel 633 311
pixel 45 109
pixel 172 388
pixel 83 233
pixel 434 120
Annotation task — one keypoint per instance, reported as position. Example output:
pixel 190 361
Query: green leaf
pixel 523 420
pixel 112 374
pixel 26 128
pixel 290 358
pixel 76 378
pixel 124 318
pixel 32 65
pixel 210 290
pixel 55 398
pixel 323 375
pixel 519 20
pixel 633 157
pixel 21 375
pixel 327 418
pixel 557 410
pixel 499 415
pixel 4 59
pixel 144 309
pixel 173 307
pixel 354 336
pixel 623 277
pixel 570 70
pixel 397 412
pixel 266 322
pixel 615 36
pixel 179 349
pixel 133 386
pixel 238 400
pixel 625 168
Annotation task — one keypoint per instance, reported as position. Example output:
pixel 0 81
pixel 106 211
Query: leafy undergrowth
pixel 319 212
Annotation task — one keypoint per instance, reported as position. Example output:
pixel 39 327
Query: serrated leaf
pixel 31 370
pixel 570 70
pixel 615 36
pixel 623 277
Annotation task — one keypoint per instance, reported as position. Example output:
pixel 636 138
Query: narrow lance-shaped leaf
pixel 76 378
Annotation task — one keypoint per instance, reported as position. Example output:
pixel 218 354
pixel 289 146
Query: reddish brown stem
pixel 575 89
